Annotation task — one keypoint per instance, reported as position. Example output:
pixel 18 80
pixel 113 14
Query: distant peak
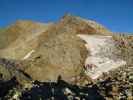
pixel 68 17
pixel 22 22
pixel 79 22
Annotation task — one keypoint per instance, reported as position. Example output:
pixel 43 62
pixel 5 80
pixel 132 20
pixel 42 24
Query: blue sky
pixel 116 15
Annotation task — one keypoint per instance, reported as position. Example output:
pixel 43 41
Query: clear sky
pixel 116 15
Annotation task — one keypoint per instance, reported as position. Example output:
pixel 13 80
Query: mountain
pixel 72 58
pixel 69 47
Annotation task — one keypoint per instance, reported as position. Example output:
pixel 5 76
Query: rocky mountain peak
pixel 84 25
pixel 47 51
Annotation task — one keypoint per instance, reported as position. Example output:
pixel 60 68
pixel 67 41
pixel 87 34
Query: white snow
pixel 100 49
pixel 28 54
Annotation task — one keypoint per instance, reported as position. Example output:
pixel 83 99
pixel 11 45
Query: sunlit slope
pixel 22 38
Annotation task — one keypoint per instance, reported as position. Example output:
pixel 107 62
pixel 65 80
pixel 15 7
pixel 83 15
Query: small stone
pixel 70 97
pixel 77 98
pixel 131 77
pixel 67 91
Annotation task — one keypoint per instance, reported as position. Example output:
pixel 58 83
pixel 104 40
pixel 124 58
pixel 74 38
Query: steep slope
pixel 84 26
pixel 25 40
pixel 21 27
pixel 7 36
pixel 95 26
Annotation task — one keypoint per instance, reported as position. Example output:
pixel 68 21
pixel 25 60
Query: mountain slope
pixel 50 50
pixel 24 40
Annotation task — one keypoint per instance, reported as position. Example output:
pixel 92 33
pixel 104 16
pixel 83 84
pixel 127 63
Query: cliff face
pixel 47 51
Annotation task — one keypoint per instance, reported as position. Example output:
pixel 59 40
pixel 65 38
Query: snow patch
pixel 28 55
pixel 101 57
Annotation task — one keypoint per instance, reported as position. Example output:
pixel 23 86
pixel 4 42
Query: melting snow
pixel 101 58
pixel 28 55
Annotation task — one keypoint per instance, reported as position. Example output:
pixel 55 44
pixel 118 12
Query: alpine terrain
pixel 72 59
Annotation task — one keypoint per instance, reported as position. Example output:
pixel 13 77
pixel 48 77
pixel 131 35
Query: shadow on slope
pixel 61 90
pixel 5 86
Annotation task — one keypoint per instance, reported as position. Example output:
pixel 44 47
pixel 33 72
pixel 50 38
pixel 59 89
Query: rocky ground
pixel 119 87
